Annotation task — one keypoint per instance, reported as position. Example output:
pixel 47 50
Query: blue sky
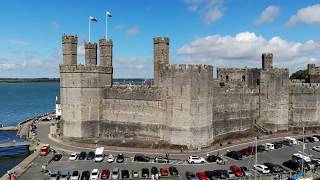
pixel 224 33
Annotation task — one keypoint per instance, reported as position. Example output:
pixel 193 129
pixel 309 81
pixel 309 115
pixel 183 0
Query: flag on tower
pixel 109 14
pixel 93 18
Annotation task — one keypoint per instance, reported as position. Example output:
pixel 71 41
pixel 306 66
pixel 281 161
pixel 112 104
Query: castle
pixel 185 105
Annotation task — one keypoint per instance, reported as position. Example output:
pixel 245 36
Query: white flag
pixel 109 14
pixel 93 18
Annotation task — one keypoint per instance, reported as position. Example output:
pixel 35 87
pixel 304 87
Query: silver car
pixel 115 173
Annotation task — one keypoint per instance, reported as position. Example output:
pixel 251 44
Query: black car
pixel 173 171
pixel 291 164
pixel 142 158
pixel 210 174
pixel 85 175
pixel 145 172
pixel 154 170
pixel 125 174
pixel 222 174
pixel 286 143
pixel 310 139
pixel 305 140
pixel 274 168
pixel 234 155
pixel 191 176
pixel 260 148
pixel 213 158
pixel 277 145
pixel 82 155
pixel 57 157
pixel 90 155
pixel 120 158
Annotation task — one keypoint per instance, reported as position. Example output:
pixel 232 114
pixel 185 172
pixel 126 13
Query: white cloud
pixel 209 10
pixel 132 67
pixel 119 27
pixel 307 15
pixel 55 25
pixel 15 41
pixel 245 49
pixel 7 66
pixel 133 31
pixel 268 15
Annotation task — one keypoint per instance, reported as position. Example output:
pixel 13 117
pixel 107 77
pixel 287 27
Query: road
pixel 178 160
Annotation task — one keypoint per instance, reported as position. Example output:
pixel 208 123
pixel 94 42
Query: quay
pixel 9 128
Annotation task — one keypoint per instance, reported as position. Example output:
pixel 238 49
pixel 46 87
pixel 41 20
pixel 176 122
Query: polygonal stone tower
pixel 69 46
pixel 90 53
pixel 161 56
pixel 267 59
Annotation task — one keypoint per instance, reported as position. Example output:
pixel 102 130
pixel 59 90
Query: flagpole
pixel 89 27
pixel 106 25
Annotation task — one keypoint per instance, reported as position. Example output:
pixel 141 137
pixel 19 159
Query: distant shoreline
pixel 28 80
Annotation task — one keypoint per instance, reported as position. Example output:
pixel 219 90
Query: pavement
pixel 177 160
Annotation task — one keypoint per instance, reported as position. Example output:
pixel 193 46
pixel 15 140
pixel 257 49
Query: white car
pixel 73 156
pixel 115 173
pixel 135 174
pixel 315 139
pixel 110 158
pixel 196 160
pixel 261 168
pixel 316 148
pixel 94 174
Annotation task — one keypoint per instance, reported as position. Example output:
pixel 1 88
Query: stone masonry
pixel 185 106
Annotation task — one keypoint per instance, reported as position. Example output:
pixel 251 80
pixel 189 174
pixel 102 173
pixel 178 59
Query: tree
pixel 301 74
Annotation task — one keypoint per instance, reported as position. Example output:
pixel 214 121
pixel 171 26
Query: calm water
pixel 20 101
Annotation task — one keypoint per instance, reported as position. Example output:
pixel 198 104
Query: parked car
pixel 145 173
pixel 191 176
pixel 115 173
pixel 160 159
pixel 105 174
pixel 154 170
pixel 135 174
pixel 196 160
pixel 73 156
pixel 202 175
pixel 173 171
pixel 94 174
pixel 234 155
pixel 57 157
pixel 90 155
pixel 223 174
pixel 142 158
pixel 44 150
pixel 213 158
pixel 316 148
pixel 54 175
pixel 274 168
pixel 312 139
pixel 316 162
pixel 85 175
pixel 236 171
pixel 75 175
pixel 210 174
pixel 82 155
pixel 261 168
pixel 277 144
pixel 164 171
pixel 247 151
pixel 64 176
pixel 110 158
pixel 120 158
pixel 306 140
pixel 268 146
pixel 246 171
pixel 231 175
pixel 125 174
pixel 260 148
pixel 291 164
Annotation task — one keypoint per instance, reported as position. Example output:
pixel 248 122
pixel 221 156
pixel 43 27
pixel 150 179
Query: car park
pixel 57 157
pixel 141 158
pixel 291 164
pixel 85 175
pixel 125 174
pixel 274 168
pixel 196 160
pixel 105 174
pixel 115 173
pixel 191 176
pixel 173 171
pixel 202 175
pixel 213 158
pixel 120 158
pixel 160 159
pixel 234 155
pixel 316 148
pixel 261 168
pixel 82 155
pixel 75 175
pixel 54 175
pixel 154 170
pixel 145 173
pixel 236 171
pixel 164 171
pixel 73 156
pixel 110 158
pixel 94 174
pixel 90 155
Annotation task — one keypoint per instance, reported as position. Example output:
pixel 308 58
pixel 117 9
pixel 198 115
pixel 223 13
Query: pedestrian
pixel 14 175
pixel 181 150
pixel 9 175
pixel 152 176
pixel 157 176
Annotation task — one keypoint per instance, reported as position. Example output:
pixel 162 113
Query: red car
pixel 202 175
pixel 236 171
pixel 164 171
pixel 105 174
pixel 252 150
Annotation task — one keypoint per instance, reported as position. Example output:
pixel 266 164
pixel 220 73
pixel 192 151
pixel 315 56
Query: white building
pixel 58 107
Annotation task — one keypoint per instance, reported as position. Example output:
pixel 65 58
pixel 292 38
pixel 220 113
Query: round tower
pixel 160 56
pixel 105 46
pixel 91 53
pixel 69 46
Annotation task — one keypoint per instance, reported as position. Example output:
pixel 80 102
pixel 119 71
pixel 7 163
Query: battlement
pixel 304 88
pixel 80 68
pixel 267 61
pixel 158 40
pixel 133 93
pixel 69 39
pixel 198 68
pixel 90 45
pixel 105 42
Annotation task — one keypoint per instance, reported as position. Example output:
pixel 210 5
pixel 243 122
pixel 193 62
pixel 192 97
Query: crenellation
pixel 80 68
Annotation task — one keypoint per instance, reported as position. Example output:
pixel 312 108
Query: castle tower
pixel 105 46
pixel 311 69
pixel 90 53
pixel 69 46
pixel 160 56
pixel 267 59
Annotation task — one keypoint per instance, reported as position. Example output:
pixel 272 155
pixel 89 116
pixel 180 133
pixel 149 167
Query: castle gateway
pixel 185 106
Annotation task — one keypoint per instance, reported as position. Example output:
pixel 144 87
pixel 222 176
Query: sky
pixel 223 33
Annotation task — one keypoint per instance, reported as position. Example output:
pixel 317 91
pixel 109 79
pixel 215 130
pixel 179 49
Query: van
pixel 99 154
pixel 292 141
pixel 268 146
